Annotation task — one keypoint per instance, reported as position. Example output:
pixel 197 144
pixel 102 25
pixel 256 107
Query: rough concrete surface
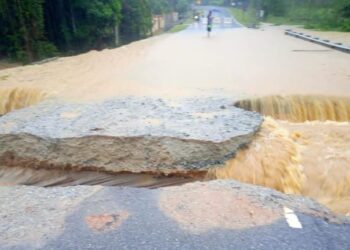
pixel 126 135
pixel 183 217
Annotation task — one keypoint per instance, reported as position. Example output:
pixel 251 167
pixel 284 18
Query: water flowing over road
pixel 160 112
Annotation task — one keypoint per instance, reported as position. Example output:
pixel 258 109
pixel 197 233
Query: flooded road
pixel 307 158
pixel 236 62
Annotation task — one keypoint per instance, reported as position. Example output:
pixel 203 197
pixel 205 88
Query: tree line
pixel 316 14
pixel 31 30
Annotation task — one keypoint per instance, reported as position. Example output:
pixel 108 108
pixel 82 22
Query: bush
pixel 46 49
pixel 324 15
pixel 346 25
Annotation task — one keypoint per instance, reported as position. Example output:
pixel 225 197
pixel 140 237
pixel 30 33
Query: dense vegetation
pixel 317 14
pixel 34 29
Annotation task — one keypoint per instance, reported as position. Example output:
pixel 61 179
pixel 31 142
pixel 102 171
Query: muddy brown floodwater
pixel 303 158
pixel 10 176
pixel 308 153
pixel 17 98
pixel 300 108
pixel 311 159
pixel 292 156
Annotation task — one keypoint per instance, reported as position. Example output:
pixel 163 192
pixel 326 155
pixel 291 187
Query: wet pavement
pixel 128 218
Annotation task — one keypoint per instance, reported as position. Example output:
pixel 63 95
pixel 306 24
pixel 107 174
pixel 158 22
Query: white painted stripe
pixel 291 218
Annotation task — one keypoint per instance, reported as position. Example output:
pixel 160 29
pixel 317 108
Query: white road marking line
pixel 291 218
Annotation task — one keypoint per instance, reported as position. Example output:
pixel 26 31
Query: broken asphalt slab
pixel 139 135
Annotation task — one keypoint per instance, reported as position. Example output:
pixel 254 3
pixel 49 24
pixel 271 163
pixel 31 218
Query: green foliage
pixel 136 22
pixel 22 29
pixel 95 23
pixel 316 14
pixel 182 6
pixel 81 25
pixel 46 49
pixel 181 26
pixel 275 7
pixel 34 29
pixel 159 6
pixel 247 18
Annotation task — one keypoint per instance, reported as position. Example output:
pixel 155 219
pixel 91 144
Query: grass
pixel 319 19
pixel 247 18
pixel 280 21
pixel 307 24
pixel 181 26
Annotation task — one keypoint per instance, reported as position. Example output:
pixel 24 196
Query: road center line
pixel 292 219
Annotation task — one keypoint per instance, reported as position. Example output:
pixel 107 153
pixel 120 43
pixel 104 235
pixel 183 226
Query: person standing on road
pixel 209 22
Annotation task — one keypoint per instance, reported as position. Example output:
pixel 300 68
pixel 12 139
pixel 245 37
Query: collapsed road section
pixel 215 214
pixel 126 135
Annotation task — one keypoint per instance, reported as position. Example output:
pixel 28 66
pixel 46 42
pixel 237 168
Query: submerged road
pixel 235 62
pixel 202 215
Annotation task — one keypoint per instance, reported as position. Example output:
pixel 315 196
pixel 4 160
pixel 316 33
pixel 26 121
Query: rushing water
pixel 311 159
pixel 271 160
pixel 16 98
pixel 317 152
pixel 300 108
pixel 55 177
pixel 294 156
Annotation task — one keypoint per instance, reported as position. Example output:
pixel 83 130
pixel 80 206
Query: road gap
pixel 10 176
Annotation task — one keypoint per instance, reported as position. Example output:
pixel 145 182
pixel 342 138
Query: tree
pixel 33 29
pixel 80 25
pixel 159 7
pixel 136 20
pixel 22 32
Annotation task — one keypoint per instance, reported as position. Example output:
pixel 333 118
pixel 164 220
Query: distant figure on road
pixel 210 22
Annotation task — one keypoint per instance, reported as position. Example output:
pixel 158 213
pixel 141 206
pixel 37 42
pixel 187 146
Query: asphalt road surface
pixel 149 229
pixel 214 215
